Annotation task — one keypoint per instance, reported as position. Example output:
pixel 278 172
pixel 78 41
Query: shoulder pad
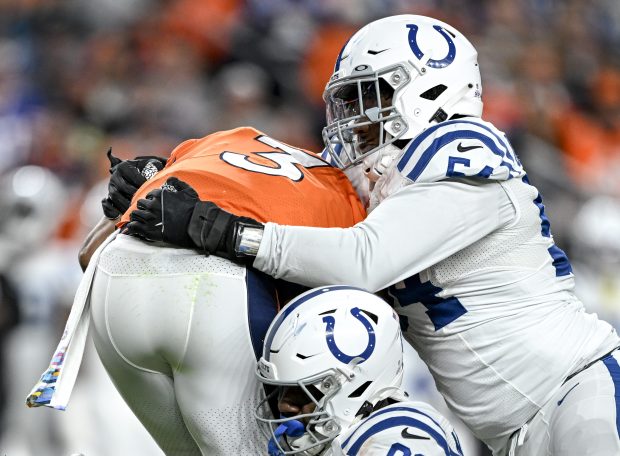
pixel 467 147
pixel 411 427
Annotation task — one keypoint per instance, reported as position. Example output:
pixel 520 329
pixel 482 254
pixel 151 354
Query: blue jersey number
pixel 399 449
pixel 441 311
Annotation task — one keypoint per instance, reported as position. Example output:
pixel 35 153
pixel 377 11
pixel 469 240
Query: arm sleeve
pixel 408 232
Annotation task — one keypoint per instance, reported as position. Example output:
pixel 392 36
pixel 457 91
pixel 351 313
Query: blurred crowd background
pixel 140 76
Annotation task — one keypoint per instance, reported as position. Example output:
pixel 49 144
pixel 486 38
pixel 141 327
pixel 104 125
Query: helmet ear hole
pixel 434 92
pixel 360 390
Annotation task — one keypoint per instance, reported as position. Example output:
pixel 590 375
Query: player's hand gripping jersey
pixel 251 174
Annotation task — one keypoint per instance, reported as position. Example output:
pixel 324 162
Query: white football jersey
pixel 460 239
pixel 404 428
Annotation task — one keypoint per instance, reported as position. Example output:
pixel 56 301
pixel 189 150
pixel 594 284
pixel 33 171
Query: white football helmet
pixel 398 75
pixel 343 347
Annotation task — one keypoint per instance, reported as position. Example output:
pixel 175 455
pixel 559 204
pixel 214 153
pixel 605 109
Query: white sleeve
pixel 408 232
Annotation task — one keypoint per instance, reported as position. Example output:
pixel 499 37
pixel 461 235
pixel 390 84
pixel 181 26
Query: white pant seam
pixel 111 338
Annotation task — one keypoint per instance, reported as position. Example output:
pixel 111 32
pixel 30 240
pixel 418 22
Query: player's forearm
pixel 97 235
pixel 407 233
pixel 361 256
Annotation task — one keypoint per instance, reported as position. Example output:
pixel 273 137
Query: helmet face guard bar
pixel 321 427
pixel 357 102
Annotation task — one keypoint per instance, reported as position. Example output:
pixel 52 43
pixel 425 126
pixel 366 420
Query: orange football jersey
pixel 248 173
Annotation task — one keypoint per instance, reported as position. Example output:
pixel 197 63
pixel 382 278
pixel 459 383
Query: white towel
pixel 55 386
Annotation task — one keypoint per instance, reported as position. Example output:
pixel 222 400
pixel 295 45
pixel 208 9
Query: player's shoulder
pixel 241 137
pixel 466 147
pixel 405 426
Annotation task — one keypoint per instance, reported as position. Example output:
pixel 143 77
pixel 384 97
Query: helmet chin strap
pixel 376 164
pixel 305 441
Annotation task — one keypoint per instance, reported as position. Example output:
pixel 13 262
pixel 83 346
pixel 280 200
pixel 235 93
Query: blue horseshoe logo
pixel 331 343
pixel 413 44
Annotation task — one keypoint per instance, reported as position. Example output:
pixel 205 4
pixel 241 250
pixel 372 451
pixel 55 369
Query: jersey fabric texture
pixel 248 173
pixel 461 240
pixel 405 428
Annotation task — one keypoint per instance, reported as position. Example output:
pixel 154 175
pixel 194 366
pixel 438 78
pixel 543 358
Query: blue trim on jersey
pixel 485 172
pixel 429 131
pixel 560 260
pixel 545 225
pixel 262 306
pixel 394 422
pixel 614 370
pixel 441 311
pixel 390 409
pixel 544 220
pixel 503 141
pixel 459 449
pixel 418 140
pixel 294 305
pixel 445 139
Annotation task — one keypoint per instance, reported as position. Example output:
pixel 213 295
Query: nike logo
pixel 462 148
pixel 562 400
pixel 371 52
pixel 406 435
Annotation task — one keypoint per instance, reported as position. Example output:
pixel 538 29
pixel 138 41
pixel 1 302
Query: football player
pixel 178 332
pixel 459 238
pixel 334 355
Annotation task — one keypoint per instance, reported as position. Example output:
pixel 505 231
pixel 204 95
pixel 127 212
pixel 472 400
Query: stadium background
pixel 79 76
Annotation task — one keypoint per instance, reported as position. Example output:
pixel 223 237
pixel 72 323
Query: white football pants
pixel 176 332
pixel 581 419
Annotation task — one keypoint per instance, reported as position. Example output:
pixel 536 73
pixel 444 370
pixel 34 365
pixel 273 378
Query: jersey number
pixel 399 449
pixel 441 311
pixel 286 163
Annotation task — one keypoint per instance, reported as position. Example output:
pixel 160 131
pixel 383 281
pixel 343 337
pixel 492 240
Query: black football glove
pixel 165 214
pixel 127 177
pixel 174 214
pixel 221 233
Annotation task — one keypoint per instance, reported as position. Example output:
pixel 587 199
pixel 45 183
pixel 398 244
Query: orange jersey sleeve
pixel 248 173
